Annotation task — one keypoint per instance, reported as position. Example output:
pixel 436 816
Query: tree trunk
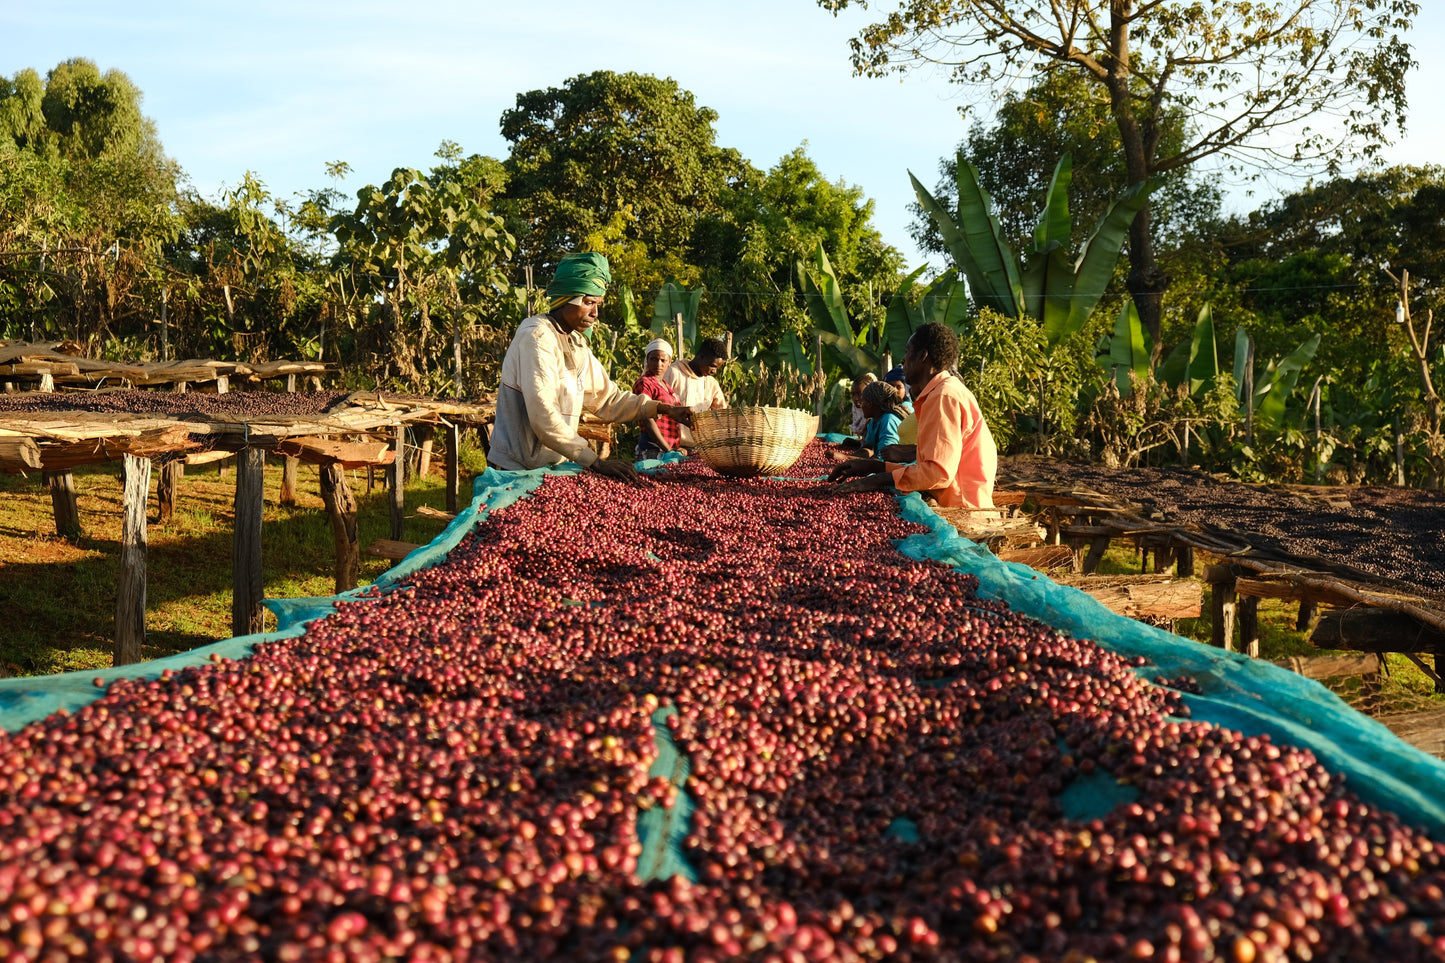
pixel 168 484
pixel 396 479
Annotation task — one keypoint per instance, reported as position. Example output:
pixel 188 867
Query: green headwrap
pixel 580 274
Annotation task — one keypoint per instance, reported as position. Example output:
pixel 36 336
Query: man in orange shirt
pixel 957 458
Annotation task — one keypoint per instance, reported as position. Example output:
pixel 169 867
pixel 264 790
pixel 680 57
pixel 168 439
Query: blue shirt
pixel 882 432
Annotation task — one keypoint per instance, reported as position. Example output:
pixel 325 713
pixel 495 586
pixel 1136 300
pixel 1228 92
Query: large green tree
pixel 1303 83
pixel 611 158
pixel 89 273
pixel 769 221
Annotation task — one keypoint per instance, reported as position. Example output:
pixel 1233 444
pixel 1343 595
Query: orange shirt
pixel 957 458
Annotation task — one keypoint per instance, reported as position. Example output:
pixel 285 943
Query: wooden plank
pixel 426 511
pixel 207 457
pixel 1423 730
pixel 1366 629
pixel 393 549
pixel 325 451
pixel 130 602
pixel 1169 600
pixel 341 509
pixel 1332 666
pixel 247 616
pixel 62 501
pixel 1044 557
pixel 19 454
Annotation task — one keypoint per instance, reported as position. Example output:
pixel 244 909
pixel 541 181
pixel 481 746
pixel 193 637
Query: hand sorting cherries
pixel 882 766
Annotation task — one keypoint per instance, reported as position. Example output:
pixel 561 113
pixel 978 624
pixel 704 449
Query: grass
pixel 59 596
pixel 1403 687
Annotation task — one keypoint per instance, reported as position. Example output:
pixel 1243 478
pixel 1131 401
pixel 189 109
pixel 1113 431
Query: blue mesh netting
pixel 1248 695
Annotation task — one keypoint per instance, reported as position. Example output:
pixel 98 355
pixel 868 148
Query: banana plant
pixel 1272 389
pixel 672 299
pixel 823 294
pixel 1195 360
pixel 945 301
pixel 1059 294
pixel 1126 352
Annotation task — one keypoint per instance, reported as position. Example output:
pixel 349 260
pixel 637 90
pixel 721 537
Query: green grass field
pixel 59 596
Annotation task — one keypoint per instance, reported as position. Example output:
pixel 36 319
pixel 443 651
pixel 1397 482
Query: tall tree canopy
pixel 1300 83
pixel 627 151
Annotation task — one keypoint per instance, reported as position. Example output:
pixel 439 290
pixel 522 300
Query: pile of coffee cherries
pixel 879 765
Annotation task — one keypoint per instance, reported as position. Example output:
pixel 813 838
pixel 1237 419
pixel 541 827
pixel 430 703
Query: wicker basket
pixel 744 442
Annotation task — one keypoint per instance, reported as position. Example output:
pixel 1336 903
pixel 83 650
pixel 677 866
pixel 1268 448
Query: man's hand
pixel 899 454
pixel 868 483
pixel 856 467
pixel 617 470
pixel 678 413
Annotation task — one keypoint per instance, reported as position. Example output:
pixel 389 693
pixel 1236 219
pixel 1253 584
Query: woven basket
pixel 744 442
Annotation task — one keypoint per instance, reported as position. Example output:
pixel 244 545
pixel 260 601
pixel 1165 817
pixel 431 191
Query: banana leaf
pixel 1048 287
pixel 902 319
pixel 1054 224
pixel 671 301
pixel 1095 266
pixel 847 356
pixel 1128 350
pixel 1203 353
pixel 824 296
pixel 1279 382
pixel 975 241
pixel 946 302
pixel 629 309
pixel 1175 367
pixel 1241 361
pixel 792 352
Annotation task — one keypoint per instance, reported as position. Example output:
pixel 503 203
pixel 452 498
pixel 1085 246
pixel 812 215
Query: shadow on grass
pixel 59 596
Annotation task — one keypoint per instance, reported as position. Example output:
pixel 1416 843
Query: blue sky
pixel 281 88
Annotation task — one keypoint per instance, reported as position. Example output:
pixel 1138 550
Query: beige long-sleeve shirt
pixel 548 376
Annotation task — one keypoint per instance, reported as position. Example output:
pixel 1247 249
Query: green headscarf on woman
pixel 585 274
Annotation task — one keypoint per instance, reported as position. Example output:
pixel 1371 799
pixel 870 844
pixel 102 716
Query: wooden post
pixel 1249 625
pixel 341 507
pixel 172 470
pixel 165 326
pixel 291 383
pixel 62 499
pixel 246 574
pixel 47 382
pixel 818 367
pixel 130 602
pixel 396 478
pixel 1098 545
pixel 288 480
pixel 1399 455
pixel 677 321
pixel 1221 579
pixel 728 345
pixel 426 434
pixel 1163 557
pixel 1248 392
pixel 887 363
pixel 1307 611
pixel 456 355
pixel 454 437
pixel 223 384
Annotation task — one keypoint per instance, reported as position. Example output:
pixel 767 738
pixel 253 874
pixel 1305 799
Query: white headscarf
pixel 657 344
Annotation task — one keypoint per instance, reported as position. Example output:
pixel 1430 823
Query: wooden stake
pixel 454 437
pixel 288 480
pixel 247 616
pixel 167 487
pixel 426 434
pixel 1221 579
pixel 341 508
pixel 677 320
pixel 818 361
pixel 62 499
pixel 130 602
pixel 396 479
pixel 165 326
pixel 1249 625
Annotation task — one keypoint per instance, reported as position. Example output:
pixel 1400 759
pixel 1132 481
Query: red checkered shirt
pixel 669 429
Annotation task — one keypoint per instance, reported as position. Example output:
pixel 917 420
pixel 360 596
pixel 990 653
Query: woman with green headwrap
pixel 549 373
